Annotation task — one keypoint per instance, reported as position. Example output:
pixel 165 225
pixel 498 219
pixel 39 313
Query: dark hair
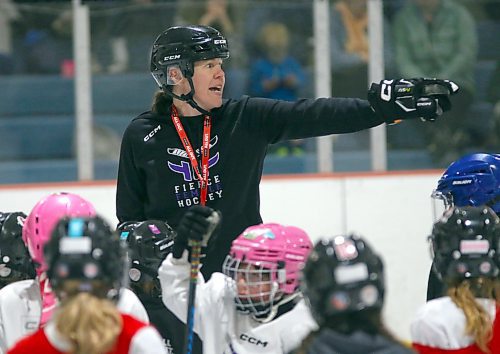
pixel 161 103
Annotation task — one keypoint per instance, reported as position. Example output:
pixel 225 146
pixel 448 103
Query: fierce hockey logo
pixel 185 167
pixel 188 193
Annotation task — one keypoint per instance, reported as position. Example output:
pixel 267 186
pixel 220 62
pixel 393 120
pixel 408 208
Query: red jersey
pixel 39 342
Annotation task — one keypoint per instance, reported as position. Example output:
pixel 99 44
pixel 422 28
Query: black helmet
pixel 342 275
pixel 15 261
pixel 184 45
pixel 464 243
pixel 149 243
pixel 87 250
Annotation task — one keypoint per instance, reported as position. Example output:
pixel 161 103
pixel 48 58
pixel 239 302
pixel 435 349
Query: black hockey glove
pixel 399 99
pixel 197 224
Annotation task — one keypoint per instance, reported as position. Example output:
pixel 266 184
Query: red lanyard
pixel 205 151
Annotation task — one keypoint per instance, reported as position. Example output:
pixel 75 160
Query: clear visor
pixel 440 203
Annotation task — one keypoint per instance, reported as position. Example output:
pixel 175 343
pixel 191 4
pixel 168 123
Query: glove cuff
pixel 177 250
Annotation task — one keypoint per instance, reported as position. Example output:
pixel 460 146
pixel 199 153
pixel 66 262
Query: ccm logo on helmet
pixel 252 340
pixel 219 41
pixel 152 133
pixel 172 57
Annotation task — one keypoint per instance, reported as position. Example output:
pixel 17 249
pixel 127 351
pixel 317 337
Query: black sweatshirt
pixel 331 342
pixel 156 181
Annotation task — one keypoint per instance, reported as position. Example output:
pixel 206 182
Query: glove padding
pixel 197 224
pixel 399 99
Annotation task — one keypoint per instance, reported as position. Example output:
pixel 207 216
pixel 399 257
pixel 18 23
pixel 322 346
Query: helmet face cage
pixel 15 261
pixel 88 252
pixel 45 215
pixel 342 275
pixel 254 285
pixel 149 243
pixel 464 244
pixel 268 257
pixel 182 46
pixel 473 180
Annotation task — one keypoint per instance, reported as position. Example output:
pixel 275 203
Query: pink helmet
pixel 277 250
pixel 43 218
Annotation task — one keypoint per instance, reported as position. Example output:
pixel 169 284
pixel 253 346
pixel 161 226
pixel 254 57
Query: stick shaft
pixel 193 279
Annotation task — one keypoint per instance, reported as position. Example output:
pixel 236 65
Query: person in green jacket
pixel 438 38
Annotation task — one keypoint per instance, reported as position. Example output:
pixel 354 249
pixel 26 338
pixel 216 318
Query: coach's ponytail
pixel 92 325
pixel 161 103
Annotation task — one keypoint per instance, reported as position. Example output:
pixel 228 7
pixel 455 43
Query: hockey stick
pixel 193 280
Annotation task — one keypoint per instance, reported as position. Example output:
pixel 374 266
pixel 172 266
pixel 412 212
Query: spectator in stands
pixel 165 167
pixel 86 267
pixel 8 13
pixel 437 38
pixel 277 75
pixel 465 246
pixel 297 16
pixel 344 284
pixel 350 48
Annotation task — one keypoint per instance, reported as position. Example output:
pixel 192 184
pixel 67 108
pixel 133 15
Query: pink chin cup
pixel 43 218
pixel 275 246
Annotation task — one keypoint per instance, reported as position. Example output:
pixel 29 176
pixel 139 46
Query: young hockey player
pixel 465 246
pixel 15 261
pixel 86 264
pixel 343 282
pixel 149 244
pixel 256 305
pixel 33 301
pixel 472 180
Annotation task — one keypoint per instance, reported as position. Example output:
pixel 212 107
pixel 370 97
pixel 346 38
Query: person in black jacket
pixel 149 244
pixel 343 283
pixel 193 147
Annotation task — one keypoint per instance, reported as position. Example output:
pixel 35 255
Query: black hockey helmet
pixel 88 251
pixel 182 46
pixel 149 243
pixel 15 260
pixel 342 275
pixel 464 244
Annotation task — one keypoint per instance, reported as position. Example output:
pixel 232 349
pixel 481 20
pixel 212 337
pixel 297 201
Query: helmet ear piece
pixel 174 75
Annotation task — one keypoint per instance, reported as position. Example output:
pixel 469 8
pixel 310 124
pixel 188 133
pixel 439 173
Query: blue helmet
pixel 473 180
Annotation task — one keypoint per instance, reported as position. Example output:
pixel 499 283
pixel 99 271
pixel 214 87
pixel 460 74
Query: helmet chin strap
pixel 188 97
pixel 274 308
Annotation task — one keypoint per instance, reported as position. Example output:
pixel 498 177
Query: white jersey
pixel 21 306
pixel 220 326
pixel 441 324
